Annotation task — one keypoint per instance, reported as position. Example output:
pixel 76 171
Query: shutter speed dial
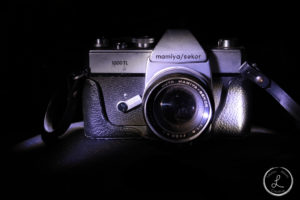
pixel 143 42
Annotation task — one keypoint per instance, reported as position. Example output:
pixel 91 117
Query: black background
pixel 49 39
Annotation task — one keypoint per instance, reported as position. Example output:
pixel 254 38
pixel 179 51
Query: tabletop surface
pixel 219 166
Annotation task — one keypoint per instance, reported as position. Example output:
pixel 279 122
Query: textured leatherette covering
pixel 96 124
pixel 232 100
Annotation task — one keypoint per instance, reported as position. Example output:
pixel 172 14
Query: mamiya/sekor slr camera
pixel 175 91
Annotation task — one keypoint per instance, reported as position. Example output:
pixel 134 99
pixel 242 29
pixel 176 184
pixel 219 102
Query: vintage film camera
pixel 175 91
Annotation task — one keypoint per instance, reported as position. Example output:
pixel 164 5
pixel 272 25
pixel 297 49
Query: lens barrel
pixel 177 106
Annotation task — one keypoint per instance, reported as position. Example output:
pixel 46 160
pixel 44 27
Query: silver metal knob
pixel 125 106
pixel 120 45
pixel 143 42
pixel 101 42
pixel 226 43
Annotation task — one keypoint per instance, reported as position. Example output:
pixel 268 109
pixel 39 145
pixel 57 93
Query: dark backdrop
pixel 49 39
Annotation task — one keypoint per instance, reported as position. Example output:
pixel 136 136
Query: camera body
pixel 175 91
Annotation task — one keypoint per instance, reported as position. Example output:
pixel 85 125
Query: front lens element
pixel 177 105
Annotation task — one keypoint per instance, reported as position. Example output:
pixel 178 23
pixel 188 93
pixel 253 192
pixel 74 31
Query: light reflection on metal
pixel 205 115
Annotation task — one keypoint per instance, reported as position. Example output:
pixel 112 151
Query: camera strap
pixel 62 107
pixel 254 74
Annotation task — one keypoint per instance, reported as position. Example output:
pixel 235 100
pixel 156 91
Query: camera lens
pixel 177 105
pixel 177 108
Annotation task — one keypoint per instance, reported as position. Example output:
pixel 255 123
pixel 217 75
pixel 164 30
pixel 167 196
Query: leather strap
pixel 254 74
pixel 62 108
